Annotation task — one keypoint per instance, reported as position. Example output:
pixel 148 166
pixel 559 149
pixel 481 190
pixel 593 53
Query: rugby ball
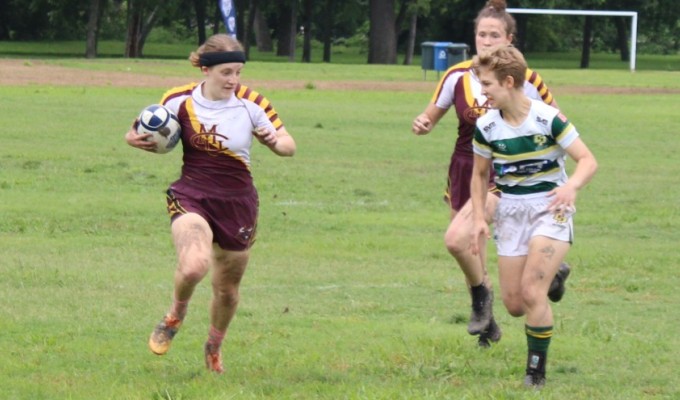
pixel 162 124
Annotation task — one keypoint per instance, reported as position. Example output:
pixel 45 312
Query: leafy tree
pixel 381 28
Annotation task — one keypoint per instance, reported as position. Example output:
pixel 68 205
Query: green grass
pixel 605 61
pixel 340 54
pixel 350 293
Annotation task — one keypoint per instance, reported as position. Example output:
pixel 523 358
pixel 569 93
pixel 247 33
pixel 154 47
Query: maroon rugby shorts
pixel 458 187
pixel 232 217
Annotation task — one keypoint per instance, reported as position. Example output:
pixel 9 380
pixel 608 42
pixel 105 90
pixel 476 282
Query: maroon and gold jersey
pixel 217 135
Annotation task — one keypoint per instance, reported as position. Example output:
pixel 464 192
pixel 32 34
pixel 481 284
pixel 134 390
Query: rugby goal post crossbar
pixel 632 14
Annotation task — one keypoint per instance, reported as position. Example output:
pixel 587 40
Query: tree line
pixel 383 28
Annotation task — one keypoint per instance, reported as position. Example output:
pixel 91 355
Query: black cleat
pixel 534 380
pixel 492 333
pixel 557 287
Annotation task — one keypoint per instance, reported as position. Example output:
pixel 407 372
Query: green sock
pixel 538 341
pixel 538 338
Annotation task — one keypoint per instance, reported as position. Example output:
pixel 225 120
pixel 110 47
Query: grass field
pixel 340 54
pixel 350 293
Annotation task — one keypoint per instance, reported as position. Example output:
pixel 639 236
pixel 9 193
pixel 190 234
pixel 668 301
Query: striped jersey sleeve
pixel 537 82
pixel 246 93
pixel 563 131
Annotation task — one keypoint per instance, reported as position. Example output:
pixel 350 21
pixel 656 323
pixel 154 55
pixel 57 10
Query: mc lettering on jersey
pixel 475 111
pixel 210 141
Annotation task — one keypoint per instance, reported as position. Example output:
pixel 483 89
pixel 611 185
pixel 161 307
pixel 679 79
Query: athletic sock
pixel 538 341
pixel 215 338
pixel 479 294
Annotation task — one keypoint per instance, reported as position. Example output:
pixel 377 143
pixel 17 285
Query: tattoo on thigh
pixel 548 251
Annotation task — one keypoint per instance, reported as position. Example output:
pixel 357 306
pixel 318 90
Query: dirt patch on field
pixel 23 73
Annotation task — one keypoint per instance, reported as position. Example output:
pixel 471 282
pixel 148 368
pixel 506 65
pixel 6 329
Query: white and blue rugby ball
pixel 162 124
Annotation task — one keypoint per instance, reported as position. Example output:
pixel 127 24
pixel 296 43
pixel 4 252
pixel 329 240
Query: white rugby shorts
pixel 520 218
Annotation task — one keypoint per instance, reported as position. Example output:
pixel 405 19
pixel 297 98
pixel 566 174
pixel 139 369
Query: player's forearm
pixel 479 186
pixel 583 173
pixel 285 146
pixel 478 194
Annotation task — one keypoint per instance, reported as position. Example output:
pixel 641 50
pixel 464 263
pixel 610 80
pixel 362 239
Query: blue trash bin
pixel 441 56
pixel 435 56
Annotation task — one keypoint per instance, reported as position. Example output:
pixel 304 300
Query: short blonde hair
pixel 215 43
pixel 503 61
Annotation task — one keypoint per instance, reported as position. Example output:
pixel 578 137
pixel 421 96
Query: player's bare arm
pixel 478 193
pixel 279 141
pixel 564 197
pixel 426 121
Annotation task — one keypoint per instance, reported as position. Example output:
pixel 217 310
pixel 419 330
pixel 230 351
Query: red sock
pixel 215 338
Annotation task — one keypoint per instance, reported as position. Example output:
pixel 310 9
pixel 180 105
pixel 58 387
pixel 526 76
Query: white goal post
pixel 632 14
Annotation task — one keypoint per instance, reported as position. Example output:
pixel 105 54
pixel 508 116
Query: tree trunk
pixel 134 23
pixel 240 22
pixel 622 38
pixel 382 38
pixel 329 20
pixel 587 38
pixel 283 32
pixel 287 29
pixel 307 33
pixel 138 28
pixel 263 38
pixel 293 30
pixel 199 8
pixel 146 29
pixel 411 45
pixel 252 9
pixel 94 10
